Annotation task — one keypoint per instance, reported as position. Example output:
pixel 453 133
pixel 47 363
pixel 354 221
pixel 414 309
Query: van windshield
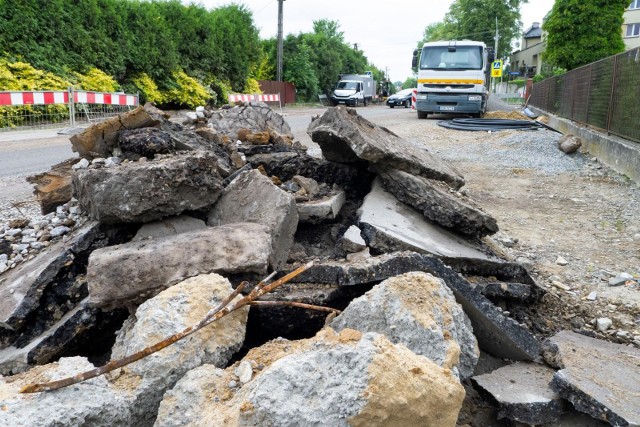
pixel 347 85
pixel 463 58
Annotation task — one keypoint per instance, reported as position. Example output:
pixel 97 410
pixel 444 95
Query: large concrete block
pixel 346 379
pixel 252 197
pixel 346 137
pixel 147 191
pixel 418 310
pixel 599 378
pixel 133 272
pixel 438 203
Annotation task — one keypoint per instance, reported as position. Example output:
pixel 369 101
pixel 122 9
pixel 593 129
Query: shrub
pixel 187 91
pixel 96 80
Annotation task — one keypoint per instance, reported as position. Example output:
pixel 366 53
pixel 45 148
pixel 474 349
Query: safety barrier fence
pixel 52 109
pixel 603 94
pixel 256 97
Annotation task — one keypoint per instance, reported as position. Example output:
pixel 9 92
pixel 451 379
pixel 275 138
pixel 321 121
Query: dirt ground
pixel 587 215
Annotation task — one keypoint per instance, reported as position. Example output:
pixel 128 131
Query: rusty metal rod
pixel 295 304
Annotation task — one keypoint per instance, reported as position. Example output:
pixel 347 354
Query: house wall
pixel 531 56
pixel 631 16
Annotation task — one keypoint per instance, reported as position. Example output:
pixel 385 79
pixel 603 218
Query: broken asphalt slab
pixel 522 393
pixel 346 137
pixel 599 378
pixel 497 334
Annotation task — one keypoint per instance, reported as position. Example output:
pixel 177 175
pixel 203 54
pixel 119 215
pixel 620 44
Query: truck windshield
pixel 463 58
pixel 347 85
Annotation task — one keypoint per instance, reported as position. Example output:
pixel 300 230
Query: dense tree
pixel 476 20
pixel 575 38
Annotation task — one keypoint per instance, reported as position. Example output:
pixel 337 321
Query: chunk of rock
pixel 252 197
pixel 345 379
pixel 53 187
pixel 389 226
pixel 132 272
pixel 419 311
pixel 254 116
pixel 168 313
pixel 437 203
pixel 142 192
pixel 346 137
pixel 497 334
pixel 569 143
pixel 324 209
pixel 146 142
pixel 100 139
pixel 523 394
pixel 169 227
pixel 352 240
pixel 599 378
pixel 95 401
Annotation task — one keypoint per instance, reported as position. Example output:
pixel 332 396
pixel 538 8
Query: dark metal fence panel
pixel 625 107
pixel 604 94
pixel 286 90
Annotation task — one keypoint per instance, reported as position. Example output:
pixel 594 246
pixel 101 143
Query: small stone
pixel 611 307
pixel 561 285
pixel 622 334
pixel 604 323
pixel 82 164
pixel 592 296
pixel 359 256
pixel 244 371
pixel 233 384
pixel 561 261
pixel 37 245
pixel 59 231
pixel 112 162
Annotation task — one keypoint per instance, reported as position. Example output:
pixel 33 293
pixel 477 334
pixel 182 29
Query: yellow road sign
pixel 496 69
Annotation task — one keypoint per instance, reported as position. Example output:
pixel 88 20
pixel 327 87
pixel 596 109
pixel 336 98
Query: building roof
pixel 534 31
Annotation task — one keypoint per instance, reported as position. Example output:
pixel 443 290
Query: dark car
pixel 402 98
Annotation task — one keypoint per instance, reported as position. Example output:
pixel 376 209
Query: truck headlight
pixel 421 97
pixel 475 97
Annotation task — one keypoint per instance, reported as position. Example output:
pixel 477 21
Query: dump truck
pixel 354 89
pixel 453 77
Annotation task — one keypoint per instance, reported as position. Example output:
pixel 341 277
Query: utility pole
pixel 279 66
pixel 495 51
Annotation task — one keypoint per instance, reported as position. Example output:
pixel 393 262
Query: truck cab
pixel 354 89
pixel 453 77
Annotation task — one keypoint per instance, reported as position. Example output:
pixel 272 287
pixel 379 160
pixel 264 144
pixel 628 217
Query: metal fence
pixel 56 109
pixel 604 94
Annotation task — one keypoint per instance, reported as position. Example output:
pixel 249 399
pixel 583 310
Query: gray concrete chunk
pixel 390 225
pixel 147 191
pixel 346 137
pixel 252 197
pixel 599 378
pixel 325 209
pixel 418 310
pixel 437 203
pixel 135 271
pixel 523 393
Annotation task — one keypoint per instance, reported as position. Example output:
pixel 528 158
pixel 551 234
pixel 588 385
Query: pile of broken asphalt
pixel 170 218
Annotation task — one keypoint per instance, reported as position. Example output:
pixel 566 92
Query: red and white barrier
pixel 236 97
pixel 414 96
pixel 62 97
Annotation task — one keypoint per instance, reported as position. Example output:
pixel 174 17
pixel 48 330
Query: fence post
pixel 613 87
pixel 72 108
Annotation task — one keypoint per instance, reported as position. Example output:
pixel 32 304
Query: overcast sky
pixel 387 31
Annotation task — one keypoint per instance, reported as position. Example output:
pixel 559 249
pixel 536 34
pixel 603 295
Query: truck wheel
pixel 422 114
pixel 391 106
pixel 365 102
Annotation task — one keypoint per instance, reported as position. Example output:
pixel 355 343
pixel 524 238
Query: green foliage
pixel 575 38
pixel 476 20
pixel 300 72
pixel 252 86
pixel 96 80
pixel 148 89
pixel 186 92
pixel 410 83
pixel 220 90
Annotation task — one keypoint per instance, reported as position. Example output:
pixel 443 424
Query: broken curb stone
pixel 523 394
pixel 133 272
pixel 346 137
pixel 417 310
pixel 252 197
pixel 143 192
pixel 599 378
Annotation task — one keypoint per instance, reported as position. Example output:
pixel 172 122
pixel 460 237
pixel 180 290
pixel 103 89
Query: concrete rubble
pixel 167 218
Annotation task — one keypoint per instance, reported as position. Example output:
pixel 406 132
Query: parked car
pixel 402 98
